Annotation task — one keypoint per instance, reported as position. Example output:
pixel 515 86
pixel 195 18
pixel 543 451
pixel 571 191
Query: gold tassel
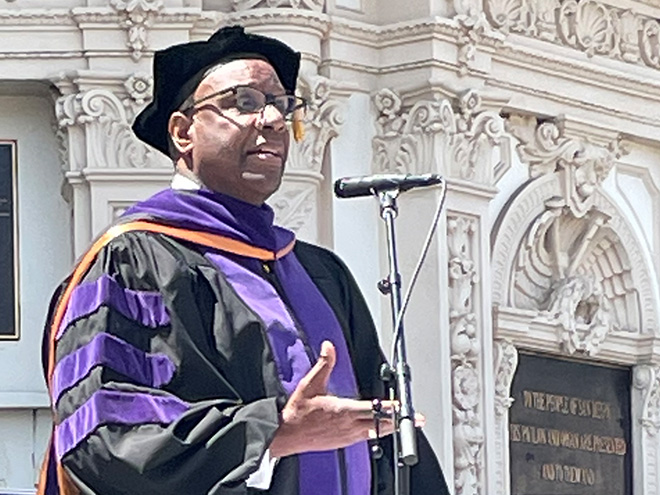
pixel 298 127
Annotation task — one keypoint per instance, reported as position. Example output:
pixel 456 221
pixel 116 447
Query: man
pixel 197 348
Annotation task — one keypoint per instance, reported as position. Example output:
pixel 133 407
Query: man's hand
pixel 314 421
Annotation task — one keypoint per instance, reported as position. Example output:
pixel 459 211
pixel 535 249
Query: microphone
pixel 368 185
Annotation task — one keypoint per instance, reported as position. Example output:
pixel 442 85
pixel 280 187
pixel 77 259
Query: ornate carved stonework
pixel 582 164
pixel 316 5
pixel 323 121
pixel 646 379
pixel 137 17
pixel 465 352
pixel 588 25
pixel 570 266
pixel 506 362
pixel 431 136
pixel 296 203
pixel 109 142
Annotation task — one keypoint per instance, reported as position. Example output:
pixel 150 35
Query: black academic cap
pixel 182 67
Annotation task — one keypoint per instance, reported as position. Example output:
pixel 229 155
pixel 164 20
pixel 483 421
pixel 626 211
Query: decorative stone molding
pixel 108 140
pixel 646 424
pixel 137 17
pixel 473 26
pixel 430 136
pixel 465 353
pixel 323 121
pixel 506 362
pixel 316 5
pixel 647 379
pixel 589 26
pixel 296 204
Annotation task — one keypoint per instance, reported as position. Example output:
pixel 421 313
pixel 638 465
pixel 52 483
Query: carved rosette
pixel 315 5
pixel 431 136
pixel 137 16
pixel 594 27
pixel 108 139
pixel 465 353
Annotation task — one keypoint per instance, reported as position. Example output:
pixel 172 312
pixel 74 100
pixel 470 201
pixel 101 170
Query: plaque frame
pixel 16 335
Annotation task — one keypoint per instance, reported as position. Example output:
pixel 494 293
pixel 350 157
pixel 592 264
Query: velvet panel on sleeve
pixel 151 387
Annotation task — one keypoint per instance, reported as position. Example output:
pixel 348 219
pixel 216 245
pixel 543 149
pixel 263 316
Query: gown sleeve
pixel 145 395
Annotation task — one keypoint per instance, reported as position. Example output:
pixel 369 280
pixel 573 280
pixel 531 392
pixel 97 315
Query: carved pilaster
pixel 506 362
pixel 646 379
pixel 296 204
pixel 465 354
pixel 431 136
pixel 593 27
pixel 137 16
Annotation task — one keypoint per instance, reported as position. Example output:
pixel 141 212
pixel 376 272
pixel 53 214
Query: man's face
pixel 239 154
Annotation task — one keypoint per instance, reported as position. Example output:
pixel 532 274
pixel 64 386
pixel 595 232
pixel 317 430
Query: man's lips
pixel 265 153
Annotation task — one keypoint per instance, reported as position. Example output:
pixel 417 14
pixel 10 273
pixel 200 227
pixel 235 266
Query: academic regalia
pixel 172 361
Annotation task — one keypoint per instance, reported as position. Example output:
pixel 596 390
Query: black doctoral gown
pixel 214 350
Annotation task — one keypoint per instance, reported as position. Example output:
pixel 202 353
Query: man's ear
pixel 179 129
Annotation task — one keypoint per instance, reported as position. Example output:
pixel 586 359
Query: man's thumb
pixel 316 381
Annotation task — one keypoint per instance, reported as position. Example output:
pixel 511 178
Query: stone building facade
pixel 542 115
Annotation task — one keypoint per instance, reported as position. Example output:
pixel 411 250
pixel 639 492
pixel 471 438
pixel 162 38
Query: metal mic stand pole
pixel 405 439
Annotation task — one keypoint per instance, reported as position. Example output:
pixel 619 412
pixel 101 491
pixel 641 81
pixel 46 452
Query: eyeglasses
pixel 251 100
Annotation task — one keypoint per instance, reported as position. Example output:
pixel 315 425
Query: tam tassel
pixel 298 127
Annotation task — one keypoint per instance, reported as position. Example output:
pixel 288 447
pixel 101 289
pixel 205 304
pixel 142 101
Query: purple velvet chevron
pixel 144 307
pixel 115 407
pixel 153 370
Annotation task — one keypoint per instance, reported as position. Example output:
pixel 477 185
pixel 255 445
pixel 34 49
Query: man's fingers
pixel 315 382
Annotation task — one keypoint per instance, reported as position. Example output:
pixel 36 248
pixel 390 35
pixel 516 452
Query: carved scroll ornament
pixel 430 136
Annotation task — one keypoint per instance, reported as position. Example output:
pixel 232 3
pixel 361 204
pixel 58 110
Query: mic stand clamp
pixel 398 375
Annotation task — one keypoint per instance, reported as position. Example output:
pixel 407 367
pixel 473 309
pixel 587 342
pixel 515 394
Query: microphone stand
pixel 398 375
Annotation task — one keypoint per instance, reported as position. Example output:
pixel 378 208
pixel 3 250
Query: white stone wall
pixel 543 115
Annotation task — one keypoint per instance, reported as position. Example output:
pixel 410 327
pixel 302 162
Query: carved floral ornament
pixel 570 265
pixel 137 17
pixel 432 136
pixel 587 25
pixel 465 353
pixel 315 5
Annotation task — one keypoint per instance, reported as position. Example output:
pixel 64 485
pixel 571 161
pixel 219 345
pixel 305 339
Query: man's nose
pixel 270 117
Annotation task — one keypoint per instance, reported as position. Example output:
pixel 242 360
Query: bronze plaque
pixel 569 430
